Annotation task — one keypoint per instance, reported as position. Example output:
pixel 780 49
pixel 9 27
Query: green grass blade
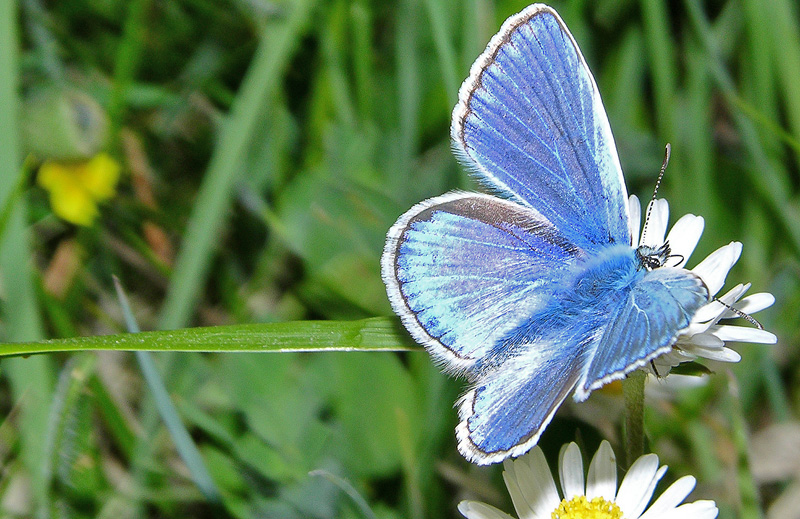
pixel 121 432
pixel 184 444
pixel 662 60
pixel 407 85
pixel 22 317
pixel 661 57
pixel 749 504
pixel 183 441
pixel 31 379
pixel 129 54
pixel 782 24
pixel 348 489
pixel 374 334
pixel 762 87
pixel 38 23
pixel 698 146
pixel 13 198
pixel 444 47
pixel 61 449
pixel 215 194
pixel 363 58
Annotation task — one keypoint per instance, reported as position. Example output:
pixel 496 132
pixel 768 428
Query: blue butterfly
pixel 541 292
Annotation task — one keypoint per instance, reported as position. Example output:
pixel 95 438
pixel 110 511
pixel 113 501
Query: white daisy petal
pixel 695 510
pixel 602 479
pixel 531 486
pixel 477 510
pixel 703 509
pixel 649 494
pixel 733 295
pixel 635 220
pixel 521 505
pixel 729 355
pixel 671 498
pixel 710 312
pixel 752 304
pixel 684 236
pixel 692 330
pixel 656 226
pixel 706 340
pixel 714 269
pixel 718 354
pixel 570 471
pixel 728 332
pixel 665 362
pixel 714 310
pixel 638 485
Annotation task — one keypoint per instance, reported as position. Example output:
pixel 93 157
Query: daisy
pixel 704 337
pixel 535 496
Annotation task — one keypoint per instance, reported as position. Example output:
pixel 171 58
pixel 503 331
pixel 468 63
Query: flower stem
pixel 633 391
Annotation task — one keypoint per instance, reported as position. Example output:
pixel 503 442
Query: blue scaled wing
pixel 530 122
pixel 508 408
pixel 463 270
pixel 644 325
pixel 573 343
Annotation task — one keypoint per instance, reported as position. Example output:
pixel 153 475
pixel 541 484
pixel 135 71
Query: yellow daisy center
pixel 581 508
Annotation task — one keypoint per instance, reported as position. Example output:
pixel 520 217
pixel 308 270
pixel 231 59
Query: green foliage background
pixel 284 139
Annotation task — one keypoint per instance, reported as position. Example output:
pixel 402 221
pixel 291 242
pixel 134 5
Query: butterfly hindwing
pixel 463 269
pixel 644 324
pixel 506 412
pixel 531 123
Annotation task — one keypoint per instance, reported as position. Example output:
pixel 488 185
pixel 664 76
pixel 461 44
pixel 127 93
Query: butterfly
pixel 538 292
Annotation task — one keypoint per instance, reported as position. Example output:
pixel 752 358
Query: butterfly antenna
pixel 679 257
pixel 747 317
pixel 667 150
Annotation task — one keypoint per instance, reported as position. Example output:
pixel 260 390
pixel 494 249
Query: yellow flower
pixel 76 187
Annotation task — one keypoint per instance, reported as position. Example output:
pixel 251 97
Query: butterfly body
pixel 577 303
pixel 538 292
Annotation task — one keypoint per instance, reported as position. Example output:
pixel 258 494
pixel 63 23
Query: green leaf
pixel 375 334
pixel 691 368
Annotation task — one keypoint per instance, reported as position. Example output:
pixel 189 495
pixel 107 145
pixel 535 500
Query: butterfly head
pixel 651 258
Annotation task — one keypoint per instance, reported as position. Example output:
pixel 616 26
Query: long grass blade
pixel 375 334
pixel 444 47
pixel 32 379
pixel 184 444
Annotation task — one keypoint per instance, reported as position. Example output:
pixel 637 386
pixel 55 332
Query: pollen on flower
pixel 581 508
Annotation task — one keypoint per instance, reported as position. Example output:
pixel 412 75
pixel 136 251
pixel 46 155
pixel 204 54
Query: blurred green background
pixel 264 150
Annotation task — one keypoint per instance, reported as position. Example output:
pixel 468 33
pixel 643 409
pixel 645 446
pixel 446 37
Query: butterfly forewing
pixel 530 122
pixel 463 269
